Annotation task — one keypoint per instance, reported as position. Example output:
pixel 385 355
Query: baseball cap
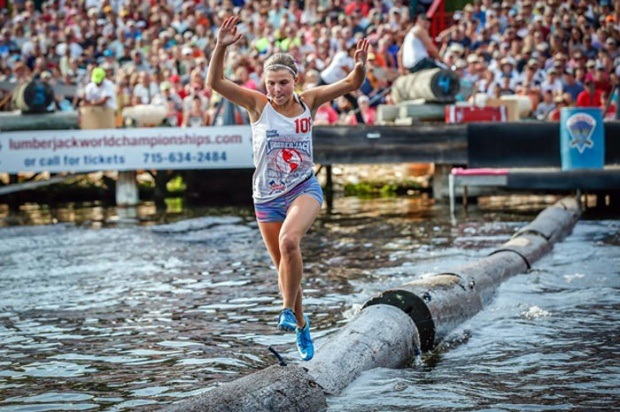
pixel 97 75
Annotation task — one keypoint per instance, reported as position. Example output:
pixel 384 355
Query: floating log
pixel 381 336
pixel 393 326
pixel 434 85
pixel 16 121
pixel 439 303
pixel 277 388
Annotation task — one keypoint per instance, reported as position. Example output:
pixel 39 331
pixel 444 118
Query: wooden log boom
pixel 392 327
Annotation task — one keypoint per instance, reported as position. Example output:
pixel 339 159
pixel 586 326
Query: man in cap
pixel 552 81
pixel 169 99
pixel 100 91
pixel 546 106
pixel 612 47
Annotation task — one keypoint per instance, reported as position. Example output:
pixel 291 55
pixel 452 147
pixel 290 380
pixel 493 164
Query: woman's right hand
pixel 227 34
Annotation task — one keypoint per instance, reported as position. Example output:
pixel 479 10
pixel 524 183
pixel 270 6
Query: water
pixel 108 312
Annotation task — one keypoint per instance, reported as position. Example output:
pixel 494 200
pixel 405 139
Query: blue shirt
pixel 573 90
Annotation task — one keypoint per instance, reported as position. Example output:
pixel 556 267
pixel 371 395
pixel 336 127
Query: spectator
pixel 601 79
pixel 546 106
pixel 100 91
pixel 553 82
pixel 368 112
pixel 171 101
pixel 554 115
pixel 340 66
pixel 325 115
pixel 590 97
pixel 418 51
pixel 75 50
pixel 8 46
pixel 196 95
pixel 507 76
pixel 145 90
pixel 570 85
pixel 174 38
pixel 472 72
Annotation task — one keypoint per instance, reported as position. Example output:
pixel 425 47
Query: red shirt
pixel 583 99
pixel 362 7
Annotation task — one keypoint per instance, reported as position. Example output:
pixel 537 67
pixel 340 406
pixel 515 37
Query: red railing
pixel 439 18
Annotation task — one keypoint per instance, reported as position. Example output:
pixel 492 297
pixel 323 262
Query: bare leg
pixel 283 243
pixel 299 218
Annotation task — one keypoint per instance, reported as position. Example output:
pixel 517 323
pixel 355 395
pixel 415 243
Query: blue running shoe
pixel 305 346
pixel 287 321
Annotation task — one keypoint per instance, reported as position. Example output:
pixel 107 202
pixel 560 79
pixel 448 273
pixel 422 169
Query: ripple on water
pixel 51 370
pixel 163 312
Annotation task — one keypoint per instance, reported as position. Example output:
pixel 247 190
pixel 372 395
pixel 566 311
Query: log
pixel 16 121
pixel 33 97
pixel 439 303
pixel 392 327
pixel 380 337
pixel 277 388
pixel 434 85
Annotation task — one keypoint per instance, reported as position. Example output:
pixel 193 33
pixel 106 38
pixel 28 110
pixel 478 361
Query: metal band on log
pixel 392 327
pixel 433 85
pixel 379 337
pixel 439 303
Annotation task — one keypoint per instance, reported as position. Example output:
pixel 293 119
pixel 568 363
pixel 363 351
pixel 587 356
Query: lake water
pixel 102 310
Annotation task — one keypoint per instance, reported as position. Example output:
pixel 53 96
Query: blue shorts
pixel 275 210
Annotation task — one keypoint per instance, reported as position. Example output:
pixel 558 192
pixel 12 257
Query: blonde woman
pixel 287 196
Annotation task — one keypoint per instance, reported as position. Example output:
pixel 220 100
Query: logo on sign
pixel 580 127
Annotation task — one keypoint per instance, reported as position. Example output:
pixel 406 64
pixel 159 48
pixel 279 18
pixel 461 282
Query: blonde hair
pixel 281 61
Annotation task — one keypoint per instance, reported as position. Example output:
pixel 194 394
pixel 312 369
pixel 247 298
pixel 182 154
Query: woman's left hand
pixel 361 54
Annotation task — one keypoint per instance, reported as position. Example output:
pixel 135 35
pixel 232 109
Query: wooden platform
pixel 533 179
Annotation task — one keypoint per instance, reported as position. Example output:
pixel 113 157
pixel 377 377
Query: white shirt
pixel 75 50
pixel 339 67
pixel 282 148
pixel 556 85
pixel 106 89
pixel 413 50
pixel 145 95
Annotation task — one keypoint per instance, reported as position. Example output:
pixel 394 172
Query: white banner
pixel 227 147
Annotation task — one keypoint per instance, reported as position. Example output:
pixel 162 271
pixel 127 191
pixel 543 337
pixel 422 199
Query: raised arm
pixel 315 97
pixel 246 98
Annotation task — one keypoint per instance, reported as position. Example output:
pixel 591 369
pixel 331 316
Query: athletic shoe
pixel 287 321
pixel 305 346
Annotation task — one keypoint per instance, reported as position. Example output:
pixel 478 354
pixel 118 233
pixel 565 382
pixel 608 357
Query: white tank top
pixel 282 148
pixel 413 50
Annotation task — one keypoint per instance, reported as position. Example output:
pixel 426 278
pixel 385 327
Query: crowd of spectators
pixel 156 52
pixel 557 53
